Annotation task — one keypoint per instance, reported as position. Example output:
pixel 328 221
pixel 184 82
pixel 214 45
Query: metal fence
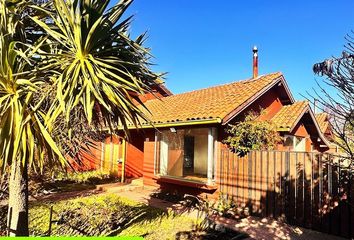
pixel 311 190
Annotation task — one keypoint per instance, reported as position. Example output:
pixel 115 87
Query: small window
pixel 300 144
pixel 289 141
pixel 294 143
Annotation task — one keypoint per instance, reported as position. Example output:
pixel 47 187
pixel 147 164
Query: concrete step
pixel 105 187
pixel 137 182
pixel 126 188
pixel 120 187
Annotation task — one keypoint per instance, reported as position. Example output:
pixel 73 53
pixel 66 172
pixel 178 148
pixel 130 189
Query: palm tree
pixel 86 58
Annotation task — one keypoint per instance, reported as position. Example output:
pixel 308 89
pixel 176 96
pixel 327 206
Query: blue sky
pixel 203 43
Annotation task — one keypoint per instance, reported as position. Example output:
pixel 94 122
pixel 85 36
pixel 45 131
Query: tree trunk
pixel 18 200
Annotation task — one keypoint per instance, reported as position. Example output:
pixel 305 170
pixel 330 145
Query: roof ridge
pixel 220 85
pixel 297 102
pixel 321 113
pixel 301 101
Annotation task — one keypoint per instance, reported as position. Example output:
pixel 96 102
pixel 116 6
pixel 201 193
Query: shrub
pixel 253 133
pixel 87 177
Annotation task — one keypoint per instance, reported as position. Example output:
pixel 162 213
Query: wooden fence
pixel 311 190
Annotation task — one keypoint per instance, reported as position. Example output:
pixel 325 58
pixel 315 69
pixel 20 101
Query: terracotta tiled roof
pixel 289 115
pixel 209 103
pixel 322 119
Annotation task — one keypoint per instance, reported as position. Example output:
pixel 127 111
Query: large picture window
pixel 186 153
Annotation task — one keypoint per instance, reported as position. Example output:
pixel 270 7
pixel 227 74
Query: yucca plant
pixel 95 64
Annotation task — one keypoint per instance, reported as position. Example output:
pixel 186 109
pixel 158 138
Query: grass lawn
pixel 164 227
pixel 107 214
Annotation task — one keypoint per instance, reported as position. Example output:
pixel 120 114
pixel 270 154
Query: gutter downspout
pixel 124 145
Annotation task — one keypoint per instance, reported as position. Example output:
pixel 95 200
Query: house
pixel 324 122
pixel 181 146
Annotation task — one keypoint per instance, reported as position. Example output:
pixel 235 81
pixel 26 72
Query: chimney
pixel 314 105
pixel 255 62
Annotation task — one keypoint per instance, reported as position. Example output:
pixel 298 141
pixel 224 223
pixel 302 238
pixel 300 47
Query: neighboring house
pixel 326 128
pixel 301 131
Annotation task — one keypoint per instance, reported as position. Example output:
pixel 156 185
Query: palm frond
pixel 101 69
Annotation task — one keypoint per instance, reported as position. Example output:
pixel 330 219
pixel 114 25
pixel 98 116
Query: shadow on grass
pixel 139 215
pixel 211 234
pixel 97 215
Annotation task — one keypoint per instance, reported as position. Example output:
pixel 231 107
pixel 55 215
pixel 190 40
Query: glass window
pixel 295 143
pixel 183 153
pixel 289 141
pixel 300 144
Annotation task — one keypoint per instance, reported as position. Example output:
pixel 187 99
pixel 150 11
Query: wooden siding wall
pixel 135 154
pixel 312 190
pixel 112 152
pixel 148 167
pixel 105 155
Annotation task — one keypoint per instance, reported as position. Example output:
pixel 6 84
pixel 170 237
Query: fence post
pixel 249 176
pixel 267 184
pixel 220 170
pixel 287 182
pixel 233 175
pixel 50 220
pixel 227 170
pixel 296 187
pixel 320 189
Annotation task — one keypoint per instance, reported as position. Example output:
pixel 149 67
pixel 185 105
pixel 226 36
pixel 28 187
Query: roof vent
pixel 255 62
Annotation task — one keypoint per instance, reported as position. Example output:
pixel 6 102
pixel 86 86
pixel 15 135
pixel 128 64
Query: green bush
pixel 87 177
pixel 253 133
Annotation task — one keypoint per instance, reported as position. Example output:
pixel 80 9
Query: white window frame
pixel 161 168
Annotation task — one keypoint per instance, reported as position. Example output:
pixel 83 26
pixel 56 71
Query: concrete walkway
pixel 256 228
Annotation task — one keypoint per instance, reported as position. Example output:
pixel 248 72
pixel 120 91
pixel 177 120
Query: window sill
pixel 186 182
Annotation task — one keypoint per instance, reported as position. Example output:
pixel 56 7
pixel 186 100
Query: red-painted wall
pixel 268 102
pixel 135 153
pixel 87 161
pixel 148 163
